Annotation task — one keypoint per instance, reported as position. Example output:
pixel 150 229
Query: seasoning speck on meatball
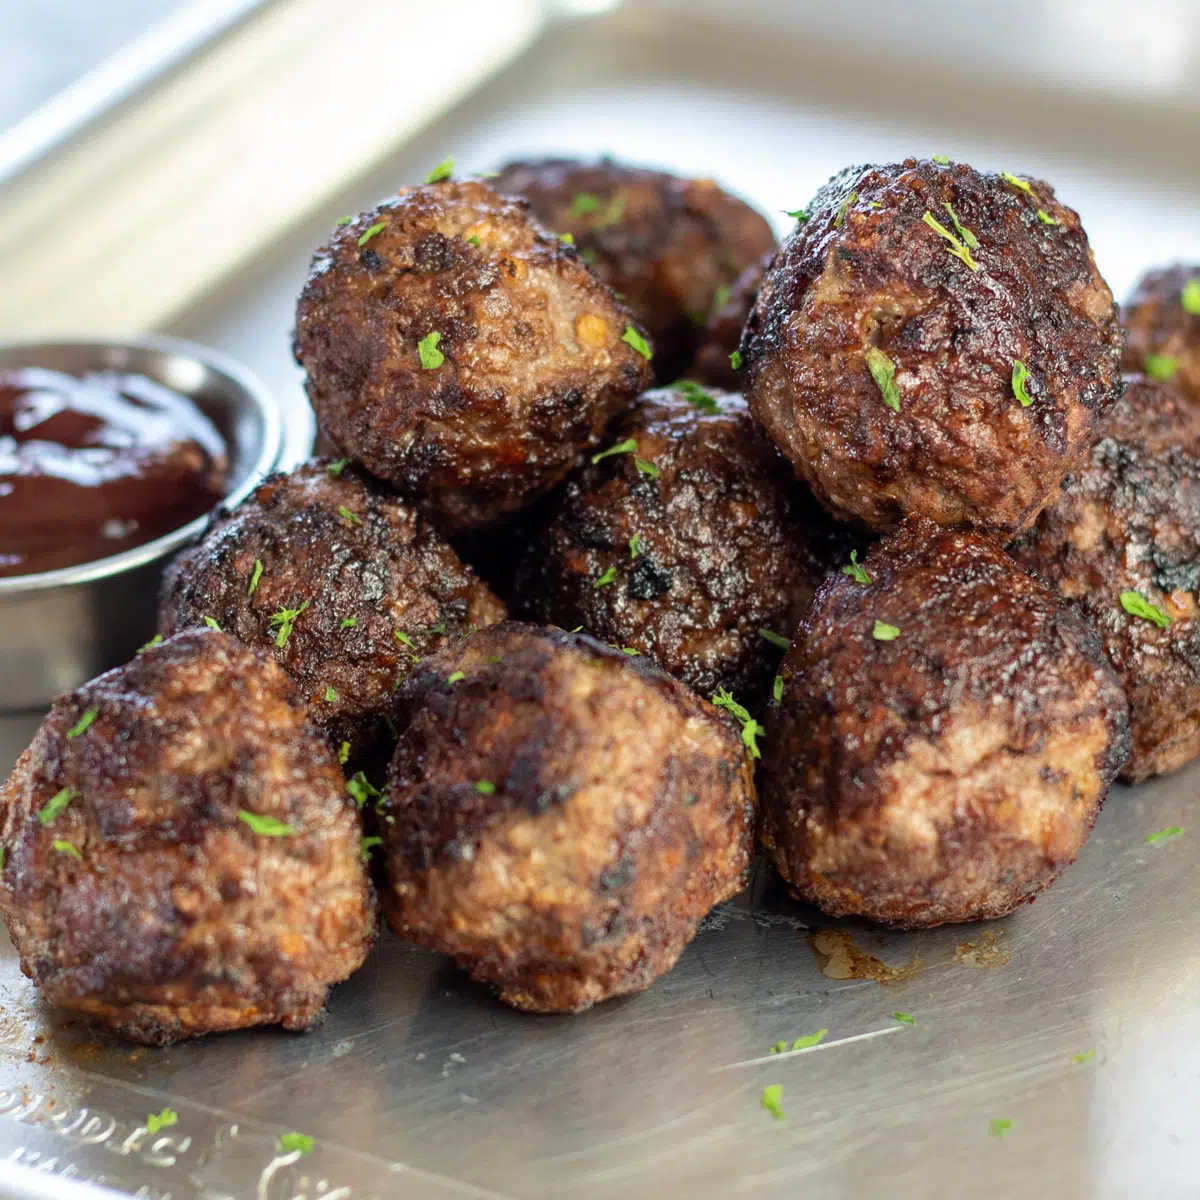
pixel 180 856
pixel 1162 320
pixel 947 732
pixel 560 816
pixel 934 341
pixel 461 352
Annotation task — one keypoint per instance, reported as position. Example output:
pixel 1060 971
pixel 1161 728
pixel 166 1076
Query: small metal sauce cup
pixel 60 628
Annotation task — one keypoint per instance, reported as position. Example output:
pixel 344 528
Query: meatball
pixel 559 817
pixel 693 543
pixel 180 854
pixel 934 341
pixel 341 581
pixel 462 353
pixel 1122 542
pixel 714 360
pixel 1162 320
pixel 670 246
pixel 947 733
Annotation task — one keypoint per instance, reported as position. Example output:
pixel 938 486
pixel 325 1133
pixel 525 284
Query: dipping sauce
pixel 95 464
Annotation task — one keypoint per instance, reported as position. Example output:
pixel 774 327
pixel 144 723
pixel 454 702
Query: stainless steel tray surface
pixel 1075 1019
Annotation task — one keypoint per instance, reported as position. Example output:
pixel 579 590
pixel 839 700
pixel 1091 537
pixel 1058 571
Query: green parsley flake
pixel 751 729
pixel 843 209
pixel 696 395
pixel 807 1042
pixel 301 1143
pixel 442 171
pixel 941 160
pixel 635 546
pixel 83 724
pixel 1000 1126
pixel 883 632
pixel 255 576
pixel 1190 297
pixel 1045 217
pixel 366 845
pixel 584 203
pixel 212 624
pixel 69 848
pixel 1016 182
pixel 361 789
pixel 1083 1056
pixel 1160 366
pixel 567 239
pixel 735 360
pixel 404 639
pixel 720 298
pixel 1137 605
pixel 56 805
pixel 956 247
pixel 1 858
pixel 645 468
pixel 349 623
pixel 631 652
pixel 776 639
pixel 156 640
pixel 614 210
pixel 266 826
pixel 608 577
pixel 855 571
pixel 344 753
pixel 158 1121
pixel 347 515
pixel 772 1100
pixel 336 468
pixel 628 446
pixel 1172 831
pixel 284 619
pixel 1020 378
pixel 777 689
pixel 343 221
pixel 972 242
pixel 427 348
pixel 904 1018
pixel 457 677
pixel 370 232
pixel 473 240
pixel 883 371
pixel 330 695
pixel 797 214
pixel 631 337
pixel 485 787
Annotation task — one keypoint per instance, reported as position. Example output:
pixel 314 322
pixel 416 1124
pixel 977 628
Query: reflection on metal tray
pixel 1074 1019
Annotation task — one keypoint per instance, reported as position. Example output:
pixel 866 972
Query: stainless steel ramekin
pixel 60 628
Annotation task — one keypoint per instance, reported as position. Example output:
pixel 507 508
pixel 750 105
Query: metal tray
pixel 419 1084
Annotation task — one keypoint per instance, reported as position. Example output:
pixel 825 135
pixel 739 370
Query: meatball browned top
pixel 1123 542
pixel 180 854
pixel 559 817
pixel 947 732
pixel 461 352
pixel 672 247
pixel 1162 320
pixel 694 544
pixel 934 341
pixel 343 583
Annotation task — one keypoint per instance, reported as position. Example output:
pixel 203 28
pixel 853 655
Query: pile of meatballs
pixel 642 542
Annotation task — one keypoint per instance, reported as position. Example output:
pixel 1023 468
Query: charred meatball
pixel 670 246
pixel 690 541
pixel 713 364
pixel 1162 320
pixel 180 854
pixel 947 733
pixel 461 352
pixel 560 816
pixel 934 341
pixel 1123 543
pixel 343 583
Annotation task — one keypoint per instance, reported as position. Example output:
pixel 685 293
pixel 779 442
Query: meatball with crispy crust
pixel 934 341
pixel 1127 526
pixel 559 817
pixel 713 364
pixel 338 579
pixel 461 352
pixel 1162 323
pixel 670 246
pixel 947 733
pixel 690 541
pixel 180 854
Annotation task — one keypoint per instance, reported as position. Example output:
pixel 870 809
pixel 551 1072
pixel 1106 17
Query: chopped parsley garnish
pixel 967 236
pixel 284 619
pixel 1163 835
pixel 56 805
pixel 941 160
pixel 631 337
pixel 631 651
pixel 904 1018
pixel 347 515
pixel 336 468
pixel 442 171
pixel 301 1143
pixel 956 247
pixel 645 467
pixel 156 640
pixel 1160 366
pixel 797 214
pixel 751 729
pixel 366 845
pixel 1000 1126
pixel 330 695
pixel 855 571
pixel 735 360
pixel 404 639
pixel 212 624
pixel 1137 605
pixel 427 348
pixel 608 577
pixel 1083 1056
pixel 1045 217
pixel 473 240
pixel 777 689
pixel 567 239
pixel 266 826
pixel 255 576
pixel 584 203
pixel 1016 181
pixel 457 677
pixel 772 1100
pixel 343 754
pixel 776 639
pixel 843 209
pixel 349 623
pixel 614 210
pixel 368 233
pixel 696 395
pixel 628 446
pixel 342 221
pixel 1190 297
pixel 720 298
pixel 157 1121
pixel 635 546
pixel 801 1043
pixel 485 787
pixel 439 629
pixel 883 371
pixel 68 848
pixel 883 632
pixel 1020 378
pixel 83 724
pixel 361 789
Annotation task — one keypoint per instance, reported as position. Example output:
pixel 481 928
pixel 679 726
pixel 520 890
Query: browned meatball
pixel 180 854
pixel 1129 523
pixel 713 364
pixel 934 341
pixel 698 548
pixel 353 587
pixel 1162 322
pixel 561 816
pixel 461 352
pixel 668 245
pixel 947 733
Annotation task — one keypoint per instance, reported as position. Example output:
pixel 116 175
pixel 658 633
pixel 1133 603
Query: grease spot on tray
pixel 991 950
pixel 840 957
